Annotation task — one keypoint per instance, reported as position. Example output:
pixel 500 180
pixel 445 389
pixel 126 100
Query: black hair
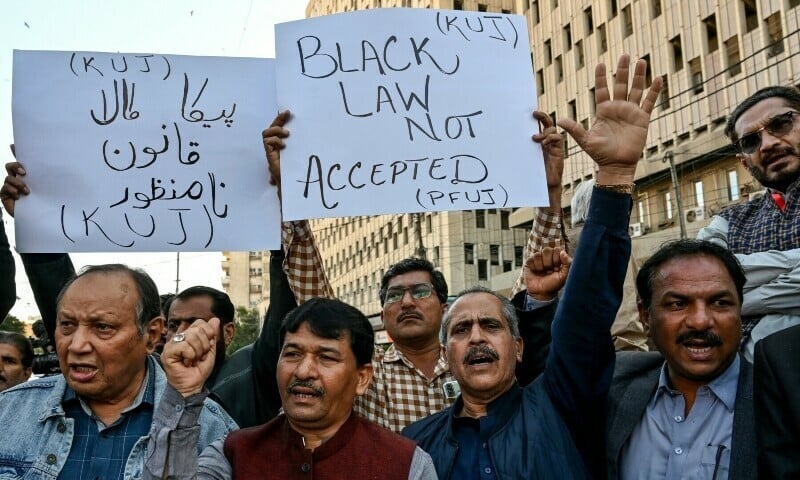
pixel 681 249
pixel 328 318
pixel 23 345
pixel 790 94
pixel 221 305
pixel 414 264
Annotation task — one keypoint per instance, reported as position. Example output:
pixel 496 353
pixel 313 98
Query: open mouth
pixel 480 360
pixel 305 391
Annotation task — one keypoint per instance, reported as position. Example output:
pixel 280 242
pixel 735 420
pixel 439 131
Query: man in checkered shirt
pixel 412 378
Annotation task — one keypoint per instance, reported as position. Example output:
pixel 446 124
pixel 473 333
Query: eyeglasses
pixel 778 126
pixel 418 292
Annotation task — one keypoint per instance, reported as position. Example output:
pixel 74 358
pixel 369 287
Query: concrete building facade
pixel 711 53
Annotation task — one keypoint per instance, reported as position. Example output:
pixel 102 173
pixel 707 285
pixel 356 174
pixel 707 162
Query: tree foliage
pixel 247 327
pixel 12 324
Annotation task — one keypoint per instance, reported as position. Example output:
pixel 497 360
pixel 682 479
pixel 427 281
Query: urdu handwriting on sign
pixel 113 158
pixel 89 220
pixel 197 115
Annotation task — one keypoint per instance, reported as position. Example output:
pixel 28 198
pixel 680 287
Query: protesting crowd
pixel 482 386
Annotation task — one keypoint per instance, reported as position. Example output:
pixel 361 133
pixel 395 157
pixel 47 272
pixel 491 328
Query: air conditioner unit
pixel 635 229
pixel 756 195
pixel 694 214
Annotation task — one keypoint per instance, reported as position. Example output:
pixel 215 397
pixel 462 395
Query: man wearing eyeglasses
pixel 412 378
pixel 765 233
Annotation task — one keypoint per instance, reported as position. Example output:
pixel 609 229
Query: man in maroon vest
pixel 325 363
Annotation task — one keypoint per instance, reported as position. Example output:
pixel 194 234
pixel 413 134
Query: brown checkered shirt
pixel 400 394
pixel 546 232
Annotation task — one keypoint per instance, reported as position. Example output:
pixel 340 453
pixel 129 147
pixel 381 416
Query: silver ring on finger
pixel 178 337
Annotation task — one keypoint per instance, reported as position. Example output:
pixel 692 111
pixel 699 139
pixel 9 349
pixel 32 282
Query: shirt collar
pixel 723 387
pixel 501 409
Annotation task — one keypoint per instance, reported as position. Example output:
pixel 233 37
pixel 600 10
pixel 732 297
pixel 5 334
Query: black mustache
pixel 480 350
pixel 305 384
pixel 711 338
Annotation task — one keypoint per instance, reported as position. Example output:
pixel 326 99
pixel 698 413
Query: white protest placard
pixel 143 152
pixel 407 110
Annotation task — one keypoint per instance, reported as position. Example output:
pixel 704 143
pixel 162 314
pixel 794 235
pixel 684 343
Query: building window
pixel 677 54
pixel 774 35
pixel 469 253
pixel 481 7
pixel 504 215
pixel 733 185
pixel 494 254
pixel 750 15
pixel 480 218
pixel 579 60
pixel 483 270
pixel 612 7
pixel 535 12
pixel 698 194
pixel 429 223
pixel 627 22
pixel 567 38
pixel 656 4
pixel 405 236
pixel 668 205
pixel 436 256
pixel 518 256
pixel 458 5
pixel 734 61
pixel 507 266
pixel 711 33
pixel 587 15
pixel 793 3
pixel 539 82
pixel 592 101
pixel 697 75
pixel 548 53
pixel 602 41
pixel 648 72
pixel 559 70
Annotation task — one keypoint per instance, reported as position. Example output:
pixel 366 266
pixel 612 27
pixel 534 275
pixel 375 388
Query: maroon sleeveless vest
pixel 360 449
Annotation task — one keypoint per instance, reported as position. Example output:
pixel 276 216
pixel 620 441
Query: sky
pixel 236 28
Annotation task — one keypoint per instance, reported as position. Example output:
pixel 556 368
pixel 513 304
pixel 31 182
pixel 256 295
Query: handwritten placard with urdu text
pixel 140 152
pixel 407 110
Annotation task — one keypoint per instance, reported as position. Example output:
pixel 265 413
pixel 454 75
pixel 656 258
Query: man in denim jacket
pixel 93 421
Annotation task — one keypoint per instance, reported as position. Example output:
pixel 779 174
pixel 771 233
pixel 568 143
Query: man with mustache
pixel 765 233
pixel 686 411
pixel 551 428
pixel 93 420
pixel 412 378
pixel 324 364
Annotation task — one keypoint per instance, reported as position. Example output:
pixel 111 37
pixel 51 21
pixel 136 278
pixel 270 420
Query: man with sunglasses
pixel 765 233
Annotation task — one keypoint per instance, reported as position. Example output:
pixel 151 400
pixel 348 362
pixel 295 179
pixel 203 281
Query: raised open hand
pixel 619 133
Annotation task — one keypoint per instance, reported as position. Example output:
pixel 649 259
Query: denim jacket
pixel 37 436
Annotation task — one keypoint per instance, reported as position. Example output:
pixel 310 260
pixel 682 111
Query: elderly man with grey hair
pixel 553 427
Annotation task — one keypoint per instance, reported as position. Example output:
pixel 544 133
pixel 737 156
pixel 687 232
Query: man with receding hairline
pixel 92 421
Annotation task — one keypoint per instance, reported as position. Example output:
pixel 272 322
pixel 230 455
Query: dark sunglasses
pixel 777 126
